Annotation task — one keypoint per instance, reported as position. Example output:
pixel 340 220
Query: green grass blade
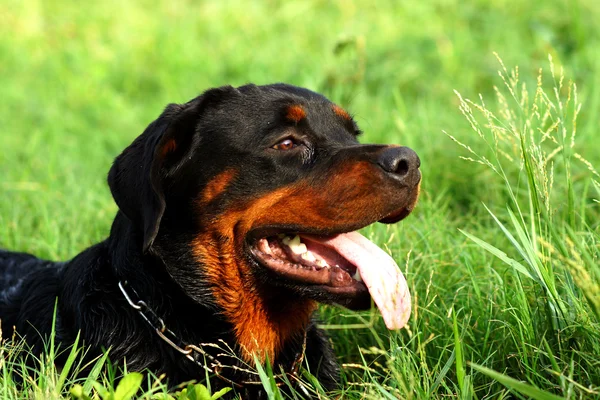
pixel 460 369
pixel 517 245
pixel 129 385
pixel 94 373
pixel 267 379
pixel 443 372
pixel 515 385
pixel 220 393
pixel 499 254
pixel 68 364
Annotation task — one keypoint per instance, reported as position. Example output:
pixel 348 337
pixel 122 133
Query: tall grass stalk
pixel 530 143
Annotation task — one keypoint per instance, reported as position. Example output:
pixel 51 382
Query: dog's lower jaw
pixel 263 318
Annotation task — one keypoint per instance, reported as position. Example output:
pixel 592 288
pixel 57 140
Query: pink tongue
pixel 379 272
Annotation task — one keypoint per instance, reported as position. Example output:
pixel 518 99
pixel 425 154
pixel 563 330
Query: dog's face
pixel 255 186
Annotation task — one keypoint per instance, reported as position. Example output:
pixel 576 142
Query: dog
pixel 237 215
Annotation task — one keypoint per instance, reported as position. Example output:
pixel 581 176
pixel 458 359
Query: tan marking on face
pixel 264 319
pixel 340 112
pixel 217 185
pixel 295 113
pixel 262 322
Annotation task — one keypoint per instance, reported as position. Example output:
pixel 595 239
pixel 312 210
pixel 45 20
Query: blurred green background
pixel 79 81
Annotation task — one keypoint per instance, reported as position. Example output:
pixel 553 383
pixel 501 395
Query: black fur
pixel 156 183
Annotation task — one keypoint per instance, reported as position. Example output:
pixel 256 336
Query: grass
pixel 502 253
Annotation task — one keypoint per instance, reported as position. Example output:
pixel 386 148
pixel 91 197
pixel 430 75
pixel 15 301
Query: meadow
pixel 500 99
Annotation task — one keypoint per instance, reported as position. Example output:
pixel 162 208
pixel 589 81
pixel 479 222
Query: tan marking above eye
pixel 295 113
pixel 340 112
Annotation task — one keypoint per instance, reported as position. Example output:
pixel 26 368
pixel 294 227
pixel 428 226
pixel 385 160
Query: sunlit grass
pixel 532 138
pixel 507 308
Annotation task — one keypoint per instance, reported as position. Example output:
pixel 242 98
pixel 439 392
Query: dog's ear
pixel 137 175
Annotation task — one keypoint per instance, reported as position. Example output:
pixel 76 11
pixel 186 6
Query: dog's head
pixel 263 188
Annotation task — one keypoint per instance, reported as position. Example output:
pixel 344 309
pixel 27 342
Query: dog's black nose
pixel 402 162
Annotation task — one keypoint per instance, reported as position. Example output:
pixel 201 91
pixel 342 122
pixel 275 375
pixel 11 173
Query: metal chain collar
pixel 197 354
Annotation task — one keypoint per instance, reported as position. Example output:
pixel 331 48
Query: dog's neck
pixel 259 322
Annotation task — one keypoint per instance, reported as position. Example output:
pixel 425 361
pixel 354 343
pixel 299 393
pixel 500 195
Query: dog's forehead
pixel 282 90
pixel 277 98
pixel 256 111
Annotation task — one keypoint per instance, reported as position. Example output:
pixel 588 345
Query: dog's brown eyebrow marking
pixel 295 113
pixel 347 118
pixel 339 111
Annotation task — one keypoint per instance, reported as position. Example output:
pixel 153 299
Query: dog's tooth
pixel 308 256
pixel 295 241
pixel 300 249
pixel 296 245
pixel 322 263
pixel 291 241
pixel 357 276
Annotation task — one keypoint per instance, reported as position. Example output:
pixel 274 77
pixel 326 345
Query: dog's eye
pixel 286 144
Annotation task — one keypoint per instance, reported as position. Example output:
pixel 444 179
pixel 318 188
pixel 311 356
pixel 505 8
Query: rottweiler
pixel 238 213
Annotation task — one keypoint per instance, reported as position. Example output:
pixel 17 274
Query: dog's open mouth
pixel 346 263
